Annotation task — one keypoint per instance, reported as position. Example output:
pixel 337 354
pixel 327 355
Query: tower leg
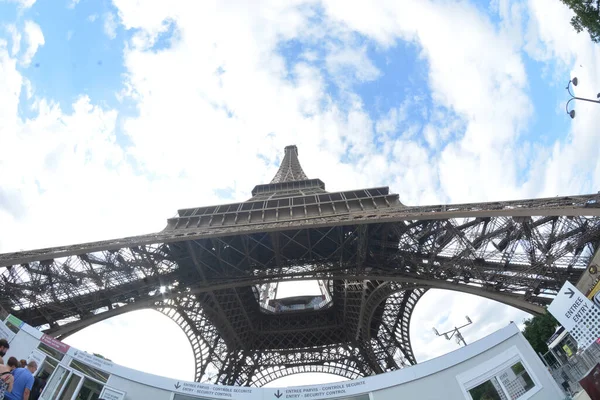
pixel 207 344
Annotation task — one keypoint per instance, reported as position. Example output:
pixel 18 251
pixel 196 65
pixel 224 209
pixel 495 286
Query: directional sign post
pixel 577 314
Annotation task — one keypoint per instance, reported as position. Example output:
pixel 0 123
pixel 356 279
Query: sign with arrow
pixel 569 306
pixel 350 390
pixel 207 391
pixel 569 292
pixel 577 314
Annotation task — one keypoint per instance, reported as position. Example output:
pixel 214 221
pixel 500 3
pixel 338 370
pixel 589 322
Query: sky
pixel 114 114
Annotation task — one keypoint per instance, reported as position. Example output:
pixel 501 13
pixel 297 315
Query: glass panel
pixel 50 351
pixel 46 369
pixel 12 327
pixel 52 362
pixel 90 390
pixel 488 390
pixel 90 371
pixel 510 383
pixel 55 383
pixel 70 388
pixel 44 372
pixel 516 380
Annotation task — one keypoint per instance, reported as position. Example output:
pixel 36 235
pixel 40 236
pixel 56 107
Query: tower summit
pixel 290 179
pixel 290 169
pixel 217 270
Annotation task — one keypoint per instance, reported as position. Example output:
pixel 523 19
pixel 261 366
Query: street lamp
pixel 455 331
pixel 574 81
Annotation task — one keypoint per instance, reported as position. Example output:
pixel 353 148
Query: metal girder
pixel 205 271
pixel 260 369
pixel 224 323
pixel 569 206
pixel 206 341
pixel 388 312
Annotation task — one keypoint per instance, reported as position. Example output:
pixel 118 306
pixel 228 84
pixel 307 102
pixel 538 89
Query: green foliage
pixel 538 329
pixel 586 17
pixel 518 368
pixel 485 391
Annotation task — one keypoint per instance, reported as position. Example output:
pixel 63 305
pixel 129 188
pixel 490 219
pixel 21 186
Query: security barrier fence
pixel 568 374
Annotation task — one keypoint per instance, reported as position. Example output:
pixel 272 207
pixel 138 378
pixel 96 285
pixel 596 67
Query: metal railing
pixel 575 368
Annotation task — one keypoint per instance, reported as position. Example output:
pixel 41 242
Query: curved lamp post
pixel 574 81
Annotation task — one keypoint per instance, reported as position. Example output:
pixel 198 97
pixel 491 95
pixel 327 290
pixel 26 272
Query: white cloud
pixel 571 164
pixel 110 25
pixel 28 88
pixel 15 38
pixel 351 63
pixel 73 3
pixel 34 39
pixel 485 89
pixel 69 152
pixel 10 88
pixel 216 109
pixel 388 124
pixel 92 17
pixel 23 4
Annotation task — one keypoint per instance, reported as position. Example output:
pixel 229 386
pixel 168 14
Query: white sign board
pixel 93 361
pixel 577 314
pixel 569 306
pixel 214 391
pixel 109 393
pixel 328 391
pixel 6 333
pixel 189 388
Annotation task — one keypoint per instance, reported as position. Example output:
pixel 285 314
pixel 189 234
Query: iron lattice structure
pixel 208 270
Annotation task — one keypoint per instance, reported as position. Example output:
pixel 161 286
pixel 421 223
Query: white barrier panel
pixel 443 377
pixel 177 386
pixel 329 390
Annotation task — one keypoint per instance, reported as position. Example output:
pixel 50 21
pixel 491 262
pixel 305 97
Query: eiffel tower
pixel 219 272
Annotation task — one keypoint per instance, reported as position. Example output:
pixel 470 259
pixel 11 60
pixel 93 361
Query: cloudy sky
pixel 115 114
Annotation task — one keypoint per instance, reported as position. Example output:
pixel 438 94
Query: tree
pixel 586 17
pixel 538 329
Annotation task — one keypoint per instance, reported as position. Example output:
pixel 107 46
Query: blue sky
pixel 123 112
pixel 81 55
